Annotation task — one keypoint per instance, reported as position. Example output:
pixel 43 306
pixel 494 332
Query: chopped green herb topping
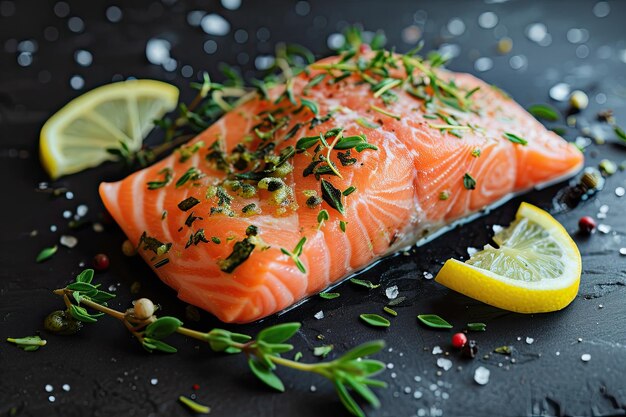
pixel 188 203
pixel 515 139
pixel 332 196
pixel 196 238
pixel 469 182
pixel 241 251
pixel 192 174
pixel 167 177
pixel 295 255
pixel 476 152
pixel 187 151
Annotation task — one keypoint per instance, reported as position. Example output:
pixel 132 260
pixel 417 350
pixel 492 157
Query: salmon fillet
pixel 223 220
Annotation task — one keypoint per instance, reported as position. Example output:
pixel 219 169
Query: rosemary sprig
pixel 351 374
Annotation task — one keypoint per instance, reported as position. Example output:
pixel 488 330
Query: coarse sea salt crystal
pixel 428 275
pixel 437 350
pixel 68 241
pixel 585 357
pixel 560 92
pixel 319 315
pixel 529 340
pixel 471 251
pixel 392 292
pixel 444 363
pixel 620 191
pixel 481 375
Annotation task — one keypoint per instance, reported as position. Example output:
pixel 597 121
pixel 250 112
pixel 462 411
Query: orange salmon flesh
pixel 413 184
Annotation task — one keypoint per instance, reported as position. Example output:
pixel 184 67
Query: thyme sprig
pixel 351 374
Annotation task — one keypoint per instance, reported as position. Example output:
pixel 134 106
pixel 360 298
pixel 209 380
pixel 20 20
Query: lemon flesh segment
pixel 535 268
pixel 77 136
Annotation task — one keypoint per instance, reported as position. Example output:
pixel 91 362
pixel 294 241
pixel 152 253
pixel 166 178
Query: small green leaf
pixel 375 320
pixel 152 344
pixel 307 142
pixel 469 182
pixel 367 124
pixel 332 196
pixel 28 343
pixel 279 333
pixel 82 287
pixel 102 297
pixel 477 327
pixel 363 391
pixel 515 139
pixel 433 320
pixel 619 132
pixel 46 253
pixel 311 105
pixel 81 314
pixel 347 400
pixel 323 351
pixel 298 249
pixel 391 311
pixel 194 406
pixel 329 295
pixel 365 349
pixel 162 327
pixel 544 111
pixel 349 190
pixel 86 276
pixel 369 366
pixel 266 375
pixel 297 356
pixel 364 283
pixel 342 225
pixel 322 216
pixel 504 350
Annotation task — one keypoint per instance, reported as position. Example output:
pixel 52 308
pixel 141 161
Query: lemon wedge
pixel 535 268
pixel 78 136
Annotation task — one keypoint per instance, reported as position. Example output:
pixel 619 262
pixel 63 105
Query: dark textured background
pixel 110 374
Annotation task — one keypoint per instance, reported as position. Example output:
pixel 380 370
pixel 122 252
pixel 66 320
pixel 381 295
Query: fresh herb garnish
pixel 295 255
pixel 342 225
pixel 241 251
pixel 385 112
pixel 619 132
pixel 28 343
pixel 434 321
pixel 444 195
pixel 503 350
pixel 46 253
pixel 366 123
pixel 477 327
pixel 349 190
pixel 515 139
pixel 351 373
pixel 469 182
pixel 364 283
pixel 196 238
pixel 194 406
pixel 375 320
pixel 332 196
pixel 311 105
pixel 323 351
pixel 188 203
pixel 390 311
pixel 476 152
pixel 329 295
pixel 167 177
pixel 192 174
pixel 544 111
pixel 187 151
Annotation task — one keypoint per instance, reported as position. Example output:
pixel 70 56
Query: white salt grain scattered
pixel 471 251
pixel 154 381
pixel 83 58
pixel 456 26
pixel 428 275
pixel 214 24
pixel 620 191
pixel 392 292
pixel 483 64
pixel 585 357
pixel 622 251
pixel 444 363
pixel 560 92
pixel 487 20
pixel 604 208
pixel 66 387
pixel 481 375
pixel 437 350
pixel 68 241
pixel 417 395
pixel 97 227
pixel 49 388
pixel 313 388
pixel 82 210
pixel 158 51
pixel 604 228
pixel 529 340
pixel 52 398
pixel 319 315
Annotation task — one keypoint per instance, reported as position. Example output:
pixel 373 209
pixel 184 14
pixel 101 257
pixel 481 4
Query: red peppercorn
pixel 101 262
pixel 459 340
pixel 586 224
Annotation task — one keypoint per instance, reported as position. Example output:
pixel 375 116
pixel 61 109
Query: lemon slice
pixel 535 268
pixel 78 136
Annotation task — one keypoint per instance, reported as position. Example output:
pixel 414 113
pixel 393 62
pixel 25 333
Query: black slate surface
pixel 110 375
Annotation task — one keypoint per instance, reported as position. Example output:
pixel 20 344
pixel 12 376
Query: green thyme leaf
pixel 265 374
pixel 367 124
pixel 503 350
pixel 477 327
pixel 162 327
pixel 332 196
pixel 347 400
pixel 192 174
pixel 194 406
pixel 323 351
pixel 364 283
pixel 153 344
pixel 390 311
pixel 46 253
pixel 167 177
pixel 434 321
pixel 81 314
pixel 476 152
pixel 515 139
pixel 342 226
pixel 29 343
pixel 279 333
pixel 329 295
pixel 241 252
pixel 311 105
pixel 85 276
pixel 469 182
pixel 544 111
pixel 349 190
pixel 307 142
pixel 322 216
pixel 444 195
pixel 188 203
pixel 375 320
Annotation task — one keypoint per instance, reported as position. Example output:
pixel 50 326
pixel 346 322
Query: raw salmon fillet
pixel 416 178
